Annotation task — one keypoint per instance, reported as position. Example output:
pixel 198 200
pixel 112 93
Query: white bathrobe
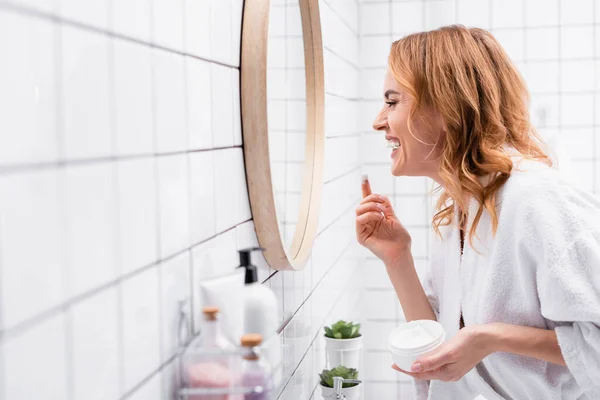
pixel 541 269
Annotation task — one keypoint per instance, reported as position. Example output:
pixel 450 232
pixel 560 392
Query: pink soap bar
pixel 208 375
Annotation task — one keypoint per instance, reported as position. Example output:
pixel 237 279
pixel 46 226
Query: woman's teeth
pixel 393 144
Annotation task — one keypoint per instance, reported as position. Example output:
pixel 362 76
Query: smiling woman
pixel 519 300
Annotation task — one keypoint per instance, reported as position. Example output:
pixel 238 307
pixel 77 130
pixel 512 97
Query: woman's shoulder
pixel 536 191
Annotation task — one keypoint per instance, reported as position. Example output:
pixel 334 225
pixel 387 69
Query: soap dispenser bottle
pixel 261 314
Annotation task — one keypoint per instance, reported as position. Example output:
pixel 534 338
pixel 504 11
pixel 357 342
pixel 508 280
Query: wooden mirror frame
pixel 253 83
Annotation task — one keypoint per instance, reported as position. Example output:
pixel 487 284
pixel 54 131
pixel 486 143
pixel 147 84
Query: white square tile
pixel 173 204
pixel 93 12
pixel 579 143
pixel 508 14
pixel 375 19
pixel 296 115
pixel 577 76
pixel 512 41
pixel 293 20
pixel 382 304
pixel 32 281
pixel 175 289
pixel 243 202
pixel 141 329
pixel 133 18
pixel 407 16
pixel 237 9
pixel 544 110
pixel 91 226
pixel 197 27
pixel 577 110
pixel 86 90
pixel 294 52
pixel 541 12
pixel 237 108
pixel 95 347
pixel 542 77
pixel 216 257
pixel 376 334
pixel 439 13
pixel 369 112
pixel 229 196
pixel 39 352
pixel 169 95
pixel 411 211
pixel 202 195
pixel 375 51
pixel 375 275
pixel 222 106
pixel 577 42
pixel 138 213
pixel 133 97
pixel 387 390
pixel 382 180
pixel 220 31
pixel 576 12
pixel 27 76
pixel 277 19
pixel 371 83
pixel 199 104
pixel 542 44
pixel 168 23
pixel 474 13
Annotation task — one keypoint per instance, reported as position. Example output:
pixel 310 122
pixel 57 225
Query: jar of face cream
pixel 413 339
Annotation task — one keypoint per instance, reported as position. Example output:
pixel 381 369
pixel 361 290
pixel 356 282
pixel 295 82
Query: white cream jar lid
pixel 416 336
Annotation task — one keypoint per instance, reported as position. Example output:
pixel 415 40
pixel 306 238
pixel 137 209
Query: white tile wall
pixel 105 218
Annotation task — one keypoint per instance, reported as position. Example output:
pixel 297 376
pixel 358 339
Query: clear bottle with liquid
pixel 208 360
pixel 256 372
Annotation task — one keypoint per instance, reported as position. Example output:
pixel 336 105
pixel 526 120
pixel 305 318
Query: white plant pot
pixel 351 393
pixel 344 352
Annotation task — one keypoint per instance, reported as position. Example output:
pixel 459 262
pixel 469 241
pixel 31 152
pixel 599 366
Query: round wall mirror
pixel 282 119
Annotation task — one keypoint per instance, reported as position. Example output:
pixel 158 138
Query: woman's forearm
pixel 525 341
pixel 408 288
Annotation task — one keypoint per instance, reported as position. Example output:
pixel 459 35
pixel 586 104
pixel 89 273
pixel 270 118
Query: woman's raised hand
pixel 378 228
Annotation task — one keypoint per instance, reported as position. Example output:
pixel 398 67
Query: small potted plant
pixel 344 344
pixel 350 390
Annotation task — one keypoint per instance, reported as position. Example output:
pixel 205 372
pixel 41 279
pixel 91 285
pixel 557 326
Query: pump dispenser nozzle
pixel 246 262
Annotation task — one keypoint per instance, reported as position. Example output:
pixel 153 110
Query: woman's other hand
pixel 379 230
pixel 453 359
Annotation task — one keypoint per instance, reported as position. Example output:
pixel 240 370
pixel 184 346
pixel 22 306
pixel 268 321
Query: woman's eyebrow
pixel 390 92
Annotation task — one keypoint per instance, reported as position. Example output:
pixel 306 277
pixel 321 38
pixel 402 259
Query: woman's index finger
pixel 366 186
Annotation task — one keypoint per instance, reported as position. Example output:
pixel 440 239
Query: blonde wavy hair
pixel 466 76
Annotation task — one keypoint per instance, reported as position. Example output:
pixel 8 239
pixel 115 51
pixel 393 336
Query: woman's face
pixel 415 154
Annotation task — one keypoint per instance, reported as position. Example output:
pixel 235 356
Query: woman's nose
pixel 380 122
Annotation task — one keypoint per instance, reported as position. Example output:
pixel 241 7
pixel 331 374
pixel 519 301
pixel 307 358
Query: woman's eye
pixel 390 103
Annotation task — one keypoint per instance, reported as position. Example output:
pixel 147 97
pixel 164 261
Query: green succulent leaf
pixel 343 330
pixel 341 371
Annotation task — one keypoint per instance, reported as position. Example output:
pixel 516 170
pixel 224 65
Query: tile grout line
pixel 21 168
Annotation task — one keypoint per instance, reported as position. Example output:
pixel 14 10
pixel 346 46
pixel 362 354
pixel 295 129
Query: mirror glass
pixel 286 111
